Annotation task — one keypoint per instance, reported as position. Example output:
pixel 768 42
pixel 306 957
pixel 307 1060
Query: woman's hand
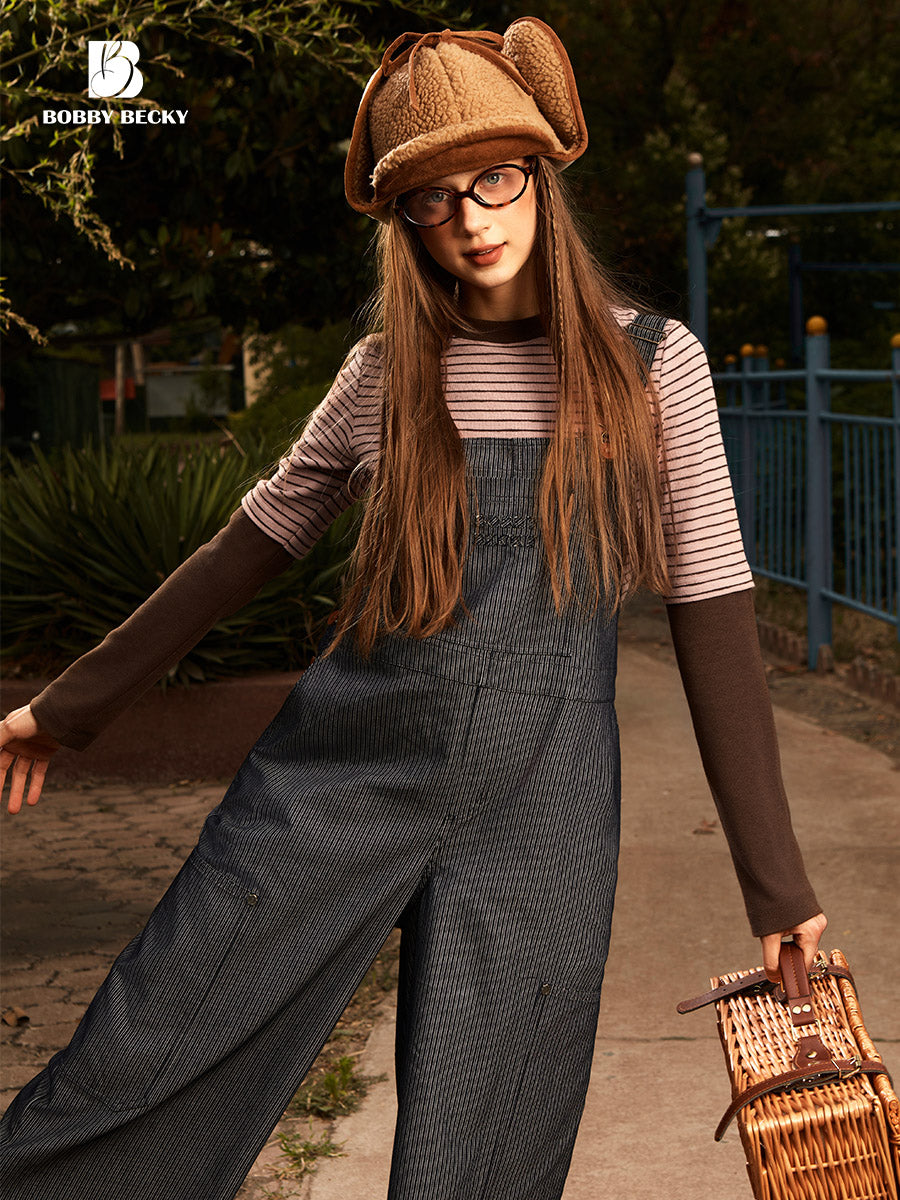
pixel 26 749
pixel 806 935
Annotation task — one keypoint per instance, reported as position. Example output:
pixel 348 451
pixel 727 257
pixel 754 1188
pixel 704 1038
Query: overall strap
pixel 646 332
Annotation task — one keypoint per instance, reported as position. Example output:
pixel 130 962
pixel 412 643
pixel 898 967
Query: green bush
pixel 90 534
pixel 296 368
pixel 275 420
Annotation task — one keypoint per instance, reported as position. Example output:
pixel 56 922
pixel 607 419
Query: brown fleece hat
pixel 445 102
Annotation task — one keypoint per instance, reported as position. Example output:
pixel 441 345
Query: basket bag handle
pixel 756 982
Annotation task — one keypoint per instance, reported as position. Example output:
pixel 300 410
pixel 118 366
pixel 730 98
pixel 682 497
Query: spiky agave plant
pixel 90 533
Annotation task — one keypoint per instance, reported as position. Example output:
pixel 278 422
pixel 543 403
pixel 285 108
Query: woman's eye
pixel 435 197
pixel 493 178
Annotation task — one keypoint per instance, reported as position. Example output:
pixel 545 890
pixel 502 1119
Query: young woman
pixel 449 763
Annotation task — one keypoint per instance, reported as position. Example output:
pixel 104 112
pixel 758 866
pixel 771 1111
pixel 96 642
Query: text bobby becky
pixel 105 116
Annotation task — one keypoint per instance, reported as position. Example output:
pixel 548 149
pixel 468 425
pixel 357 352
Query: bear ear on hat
pixel 541 59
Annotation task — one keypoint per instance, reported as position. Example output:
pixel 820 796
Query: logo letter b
pixel 112 70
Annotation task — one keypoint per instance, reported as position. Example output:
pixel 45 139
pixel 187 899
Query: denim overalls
pixel 464 786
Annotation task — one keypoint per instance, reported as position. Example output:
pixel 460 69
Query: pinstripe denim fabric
pixel 465 786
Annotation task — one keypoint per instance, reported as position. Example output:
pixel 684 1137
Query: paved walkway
pixel 659 1084
pixel 83 871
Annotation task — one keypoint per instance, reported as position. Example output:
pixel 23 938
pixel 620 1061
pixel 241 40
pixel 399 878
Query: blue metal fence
pixel 704 223
pixel 818 491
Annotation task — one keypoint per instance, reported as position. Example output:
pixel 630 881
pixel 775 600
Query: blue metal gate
pixel 818 491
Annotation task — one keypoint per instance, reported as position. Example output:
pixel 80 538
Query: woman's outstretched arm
pixel 280 520
pixel 216 581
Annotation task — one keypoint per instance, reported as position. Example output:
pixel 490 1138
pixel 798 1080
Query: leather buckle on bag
pixel 850 1070
pixel 837 1072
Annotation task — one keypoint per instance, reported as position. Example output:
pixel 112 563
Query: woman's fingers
pixel 18 778
pixel 38 775
pixel 25 752
pixel 807 936
pixel 26 778
pixel 6 761
pixel 771 948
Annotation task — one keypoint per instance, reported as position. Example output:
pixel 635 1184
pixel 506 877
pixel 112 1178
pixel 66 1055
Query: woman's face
pixel 489 250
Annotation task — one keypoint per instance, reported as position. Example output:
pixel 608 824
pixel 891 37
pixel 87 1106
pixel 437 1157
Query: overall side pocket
pixel 536 1131
pixel 146 1011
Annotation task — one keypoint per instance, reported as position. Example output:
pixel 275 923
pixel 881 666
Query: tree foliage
pixel 788 103
pixel 240 212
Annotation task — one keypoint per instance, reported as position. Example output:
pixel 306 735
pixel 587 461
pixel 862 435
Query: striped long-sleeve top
pixel 501 382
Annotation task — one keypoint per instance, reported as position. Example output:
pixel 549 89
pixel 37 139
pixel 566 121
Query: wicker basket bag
pixel 817 1115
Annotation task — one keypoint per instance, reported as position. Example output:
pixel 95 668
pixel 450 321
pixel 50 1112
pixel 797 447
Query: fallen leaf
pixel 706 826
pixel 14 1015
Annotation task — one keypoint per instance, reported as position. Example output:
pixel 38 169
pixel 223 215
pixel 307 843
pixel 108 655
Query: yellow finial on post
pixel 816 326
pixel 895 342
pixel 747 350
pixel 761 352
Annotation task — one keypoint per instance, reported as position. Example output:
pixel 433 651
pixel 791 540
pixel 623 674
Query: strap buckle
pixel 819 969
pixel 851 1069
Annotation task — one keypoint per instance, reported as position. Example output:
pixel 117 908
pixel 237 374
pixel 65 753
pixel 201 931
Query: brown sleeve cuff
pixel 216 581
pixel 717 648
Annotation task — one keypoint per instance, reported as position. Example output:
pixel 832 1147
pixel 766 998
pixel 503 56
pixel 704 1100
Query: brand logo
pixel 112 70
pixel 113 75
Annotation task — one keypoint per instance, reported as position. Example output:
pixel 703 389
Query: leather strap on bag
pixel 836 1071
pixel 755 982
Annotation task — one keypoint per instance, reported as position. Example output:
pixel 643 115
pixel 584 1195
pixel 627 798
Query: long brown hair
pixel 601 477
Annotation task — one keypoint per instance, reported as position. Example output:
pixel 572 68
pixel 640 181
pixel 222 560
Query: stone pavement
pixel 81 873
pixel 83 870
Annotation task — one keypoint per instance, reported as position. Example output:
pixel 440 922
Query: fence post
pixel 895 385
pixel 818 499
pixel 795 286
pixel 781 399
pixel 695 189
pixel 119 419
pixel 761 363
pixel 747 497
pixel 730 384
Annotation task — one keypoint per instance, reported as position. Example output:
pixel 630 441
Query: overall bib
pixel 464 786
